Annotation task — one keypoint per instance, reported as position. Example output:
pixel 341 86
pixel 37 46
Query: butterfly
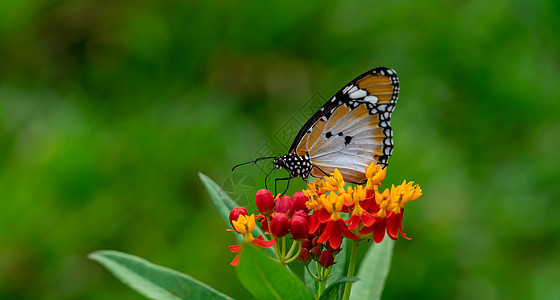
pixel 348 132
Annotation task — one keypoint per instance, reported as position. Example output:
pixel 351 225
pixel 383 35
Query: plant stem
pixel 321 287
pixel 351 269
pixel 292 248
pixel 315 277
pixel 284 247
pixel 291 259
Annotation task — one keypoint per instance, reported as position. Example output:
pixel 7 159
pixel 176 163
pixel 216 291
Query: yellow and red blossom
pixel 359 214
pixel 335 225
pixel 245 225
pixel 314 217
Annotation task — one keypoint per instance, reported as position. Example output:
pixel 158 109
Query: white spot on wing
pixel 371 99
pixel 357 94
pixel 353 89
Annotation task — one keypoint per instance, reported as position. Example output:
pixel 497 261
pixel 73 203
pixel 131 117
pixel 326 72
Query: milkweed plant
pixel 313 227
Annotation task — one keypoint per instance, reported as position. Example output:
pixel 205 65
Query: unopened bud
pixel 264 201
pixel 299 201
pixel 315 252
pixel 284 204
pixel 327 259
pixel 298 227
pixel 304 256
pixel 279 225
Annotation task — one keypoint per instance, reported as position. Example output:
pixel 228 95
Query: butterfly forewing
pixel 353 128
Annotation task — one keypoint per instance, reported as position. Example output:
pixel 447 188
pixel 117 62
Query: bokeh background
pixel 109 109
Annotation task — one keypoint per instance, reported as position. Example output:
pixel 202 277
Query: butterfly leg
pixel 326 174
pixel 276 182
pixel 265 179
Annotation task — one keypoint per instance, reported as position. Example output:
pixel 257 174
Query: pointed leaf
pixel 267 279
pixel 225 204
pixel 333 291
pixel 373 271
pixel 153 281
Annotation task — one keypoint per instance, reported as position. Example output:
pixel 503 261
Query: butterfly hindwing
pixel 353 128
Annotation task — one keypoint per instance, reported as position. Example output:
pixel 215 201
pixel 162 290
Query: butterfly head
pixel 280 162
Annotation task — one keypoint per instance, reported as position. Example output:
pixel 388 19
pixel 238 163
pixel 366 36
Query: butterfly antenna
pixel 252 161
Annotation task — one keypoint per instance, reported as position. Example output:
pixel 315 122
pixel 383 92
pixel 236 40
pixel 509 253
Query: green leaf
pixel 225 204
pixel 153 281
pixel 373 271
pixel 266 278
pixel 333 291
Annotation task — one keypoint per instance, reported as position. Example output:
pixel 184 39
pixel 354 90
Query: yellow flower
pixel 397 197
pixel 335 182
pixel 382 199
pixel 374 174
pixel 333 203
pixel 314 202
pixel 245 225
pixel 317 185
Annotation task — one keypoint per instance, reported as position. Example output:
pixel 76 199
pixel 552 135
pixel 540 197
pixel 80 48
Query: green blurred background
pixel 109 109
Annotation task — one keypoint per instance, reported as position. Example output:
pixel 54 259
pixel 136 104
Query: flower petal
pixel 326 233
pixel 336 234
pixel 353 222
pixel 262 243
pixel 235 248
pixel 378 232
pixel 367 219
pixel 236 260
pixel 313 223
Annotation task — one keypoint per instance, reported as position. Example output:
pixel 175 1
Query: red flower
pixel 336 227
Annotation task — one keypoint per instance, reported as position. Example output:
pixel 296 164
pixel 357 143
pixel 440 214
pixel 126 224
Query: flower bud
pixel 298 227
pixel 301 213
pixel 279 225
pixel 265 201
pixel 285 205
pixel 327 259
pixel 306 244
pixel 234 214
pixel 304 256
pixel 299 201
pixel 314 242
pixel 315 252
pixel 333 251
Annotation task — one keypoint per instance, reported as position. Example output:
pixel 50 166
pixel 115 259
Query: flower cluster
pixel 319 217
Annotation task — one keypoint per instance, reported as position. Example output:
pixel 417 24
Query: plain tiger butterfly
pixel 348 132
